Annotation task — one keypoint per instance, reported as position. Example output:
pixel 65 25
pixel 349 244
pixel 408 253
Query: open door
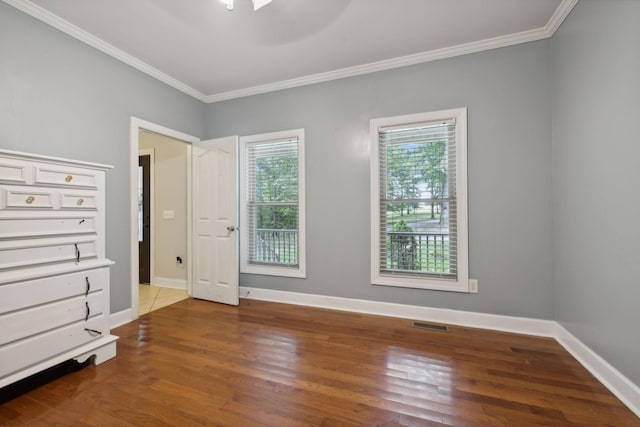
pixel 215 216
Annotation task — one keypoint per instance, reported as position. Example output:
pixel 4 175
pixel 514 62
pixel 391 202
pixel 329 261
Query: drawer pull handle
pixel 30 200
pixel 88 286
pixel 80 202
pixel 93 331
pixel 86 317
pixel 77 253
pixel 68 178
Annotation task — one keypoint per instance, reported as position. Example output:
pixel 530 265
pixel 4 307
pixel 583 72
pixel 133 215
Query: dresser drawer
pixel 62 176
pixel 15 171
pixel 29 198
pixel 25 253
pixel 78 201
pixel 25 323
pixel 29 351
pixel 43 226
pixel 20 295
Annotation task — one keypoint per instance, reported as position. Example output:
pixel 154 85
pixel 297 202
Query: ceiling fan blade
pixel 257 4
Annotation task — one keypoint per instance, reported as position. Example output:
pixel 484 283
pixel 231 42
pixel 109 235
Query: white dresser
pixel 54 275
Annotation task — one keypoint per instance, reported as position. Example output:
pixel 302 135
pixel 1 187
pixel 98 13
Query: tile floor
pixel 155 297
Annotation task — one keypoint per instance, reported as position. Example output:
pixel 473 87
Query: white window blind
pixel 272 202
pixel 418 232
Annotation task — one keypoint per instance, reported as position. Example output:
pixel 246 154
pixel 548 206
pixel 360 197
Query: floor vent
pixel 430 326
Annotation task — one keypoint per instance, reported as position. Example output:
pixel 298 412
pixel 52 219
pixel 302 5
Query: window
pixel 272 204
pixel 419 201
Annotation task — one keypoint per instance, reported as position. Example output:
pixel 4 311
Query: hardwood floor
pixel 200 363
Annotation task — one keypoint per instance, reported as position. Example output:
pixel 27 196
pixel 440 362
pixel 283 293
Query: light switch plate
pixel 473 286
pixel 168 214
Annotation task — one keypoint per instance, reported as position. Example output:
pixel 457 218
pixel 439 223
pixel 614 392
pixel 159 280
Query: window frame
pixel 272 270
pixel 461 283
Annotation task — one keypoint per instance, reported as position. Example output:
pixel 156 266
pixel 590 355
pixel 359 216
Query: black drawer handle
pixel 88 286
pixel 93 331
pixel 77 253
pixel 88 312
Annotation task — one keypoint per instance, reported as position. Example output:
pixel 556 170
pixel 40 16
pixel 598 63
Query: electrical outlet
pixel 473 286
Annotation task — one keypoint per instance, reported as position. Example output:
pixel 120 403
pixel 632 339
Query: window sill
pixel 265 270
pixel 460 285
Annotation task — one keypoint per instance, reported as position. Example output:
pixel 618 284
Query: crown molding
pixel 559 16
pixel 387 64
pixel 78 33
pixel 545 32
pixel 563 10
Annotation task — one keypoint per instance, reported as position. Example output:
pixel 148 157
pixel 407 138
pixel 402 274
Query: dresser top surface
pixel 50 159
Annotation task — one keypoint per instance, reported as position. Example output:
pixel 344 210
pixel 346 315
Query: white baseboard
pixel 121 317
pixel 610 377
pixel 167 282
pixel 618 384
pixel 520 325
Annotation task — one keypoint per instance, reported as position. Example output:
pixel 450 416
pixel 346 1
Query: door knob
pixel 231 228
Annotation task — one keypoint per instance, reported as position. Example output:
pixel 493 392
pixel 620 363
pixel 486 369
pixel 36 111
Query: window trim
pixel 461 284
pixel 271 270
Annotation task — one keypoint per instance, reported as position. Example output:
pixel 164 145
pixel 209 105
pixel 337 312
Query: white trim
pixel 245 267
pixel 418 58
pixel 387 64
pixel 134 135
pixel 559 16
pixel 617 383
pixel 122 317
pixel 462 282
pixel 169 282
pixel 520 325
pixel 78 33
pixel 610 377
pixel 152 207
pixel 189 265
pixel 433 55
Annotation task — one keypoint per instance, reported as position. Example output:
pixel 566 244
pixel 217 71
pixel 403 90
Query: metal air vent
pixel 431 326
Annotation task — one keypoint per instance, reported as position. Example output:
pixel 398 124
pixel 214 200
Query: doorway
pixel 138 130
pixel 164 220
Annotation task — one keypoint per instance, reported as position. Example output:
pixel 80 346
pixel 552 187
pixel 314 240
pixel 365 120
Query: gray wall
pixel 61 97
pixel 507 92
pixel 596 152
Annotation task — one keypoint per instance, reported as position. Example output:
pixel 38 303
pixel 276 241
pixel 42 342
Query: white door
pixel 215 214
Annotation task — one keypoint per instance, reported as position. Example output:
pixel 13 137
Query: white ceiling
pixel 212 54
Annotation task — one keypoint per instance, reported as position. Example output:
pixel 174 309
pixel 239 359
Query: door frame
pixel 152 204
pixel 136 126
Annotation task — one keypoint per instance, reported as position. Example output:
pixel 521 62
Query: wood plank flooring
pixel 265 364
